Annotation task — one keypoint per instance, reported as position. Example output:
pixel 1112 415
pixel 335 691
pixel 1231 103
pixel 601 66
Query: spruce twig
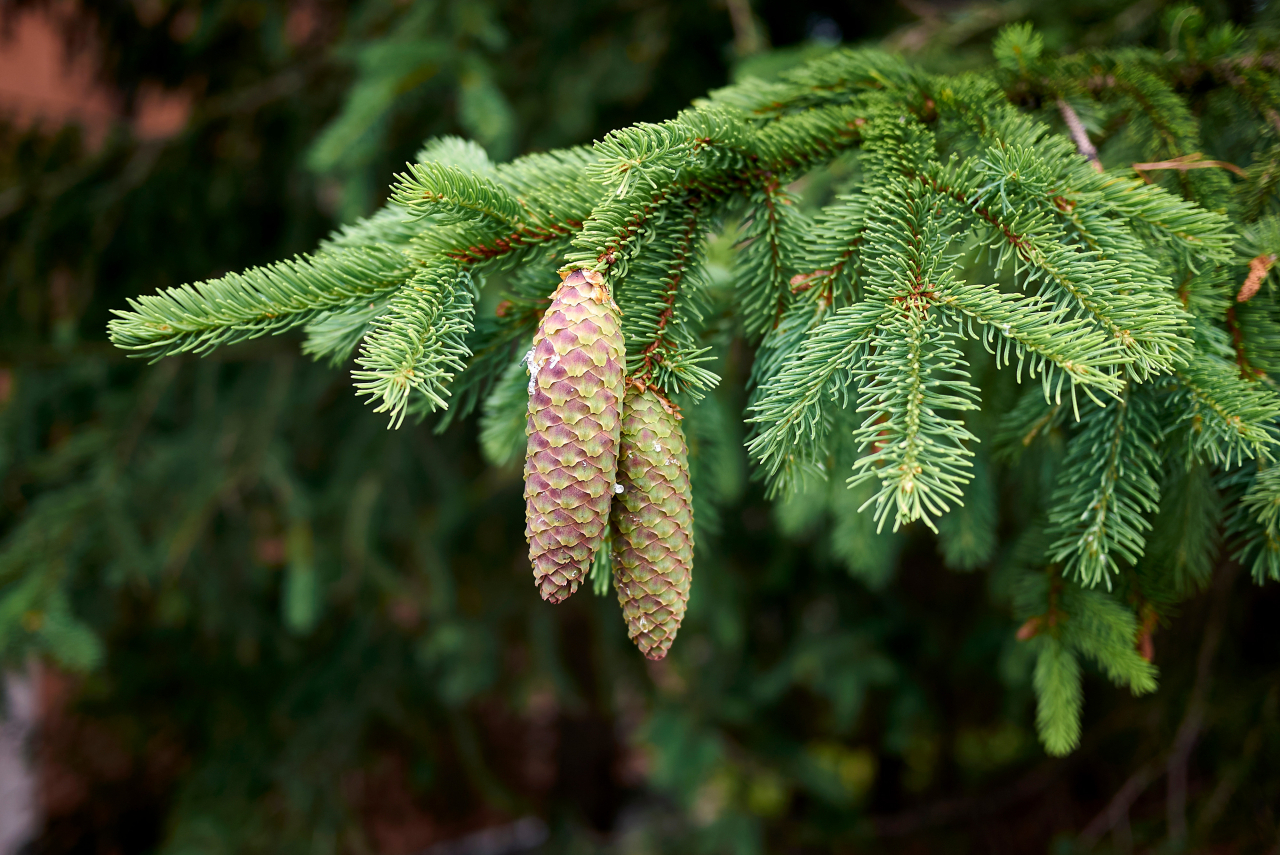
pixel 1078 134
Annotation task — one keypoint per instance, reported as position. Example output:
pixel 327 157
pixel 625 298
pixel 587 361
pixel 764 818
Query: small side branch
pixel 747 38
pixel 525 236
pixel 660 343
pixel 1081 137
pixel 1195 160
pixel 1116 812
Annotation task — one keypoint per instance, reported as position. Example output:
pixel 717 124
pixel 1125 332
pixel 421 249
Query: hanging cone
pixel 653 523
pixel 575 391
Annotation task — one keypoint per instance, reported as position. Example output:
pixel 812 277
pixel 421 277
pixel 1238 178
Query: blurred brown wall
pixel 44 83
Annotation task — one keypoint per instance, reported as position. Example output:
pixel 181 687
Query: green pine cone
pixel 575 393
pixel 653 523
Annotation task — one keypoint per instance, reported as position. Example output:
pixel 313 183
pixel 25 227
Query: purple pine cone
pixel 575 392
pixel 653 523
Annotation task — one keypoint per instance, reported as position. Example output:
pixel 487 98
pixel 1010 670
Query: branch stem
pixel 1078 134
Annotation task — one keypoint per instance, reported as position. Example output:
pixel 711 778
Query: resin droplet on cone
pixel 575 393
pixel 653 523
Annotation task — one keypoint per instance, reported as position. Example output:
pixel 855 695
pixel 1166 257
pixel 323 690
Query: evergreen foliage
pixel 970 219
pixel 927 310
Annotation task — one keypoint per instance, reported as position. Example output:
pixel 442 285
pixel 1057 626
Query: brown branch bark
pixel 1117 810
pixel 1182 164
pixel 1078 134
pixel 942 812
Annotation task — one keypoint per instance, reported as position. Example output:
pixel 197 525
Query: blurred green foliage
pixel 297 631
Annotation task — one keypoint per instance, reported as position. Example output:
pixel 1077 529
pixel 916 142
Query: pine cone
pixel 575 391
pixel 653 523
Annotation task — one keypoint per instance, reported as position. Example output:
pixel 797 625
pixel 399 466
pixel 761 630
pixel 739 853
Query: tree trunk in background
pixel 17 777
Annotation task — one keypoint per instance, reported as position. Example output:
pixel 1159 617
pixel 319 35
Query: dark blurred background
pixel 238 614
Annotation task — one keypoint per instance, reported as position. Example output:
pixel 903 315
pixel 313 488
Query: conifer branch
pixel 1229 419
pixel 1105 488
pixel 1030 419
pixel 912 375
pixel 500 339
pixel 831 248
pixel 1043 339
pixel 333 335
pixel 1120 289
pixel 1145 322
pixel 1182 164
pixel 1057 681
pixel 1255 524
pixel 509 249
pixel 832 79
pixel 1098 626
pixel 765 247
pixel 271 299
pixel 660 301
pixel 806 139
pixel 1200 237
pixel 795 405
pixel 418 344
pixel 438 189
pixel 553 186
pixel 1185 538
